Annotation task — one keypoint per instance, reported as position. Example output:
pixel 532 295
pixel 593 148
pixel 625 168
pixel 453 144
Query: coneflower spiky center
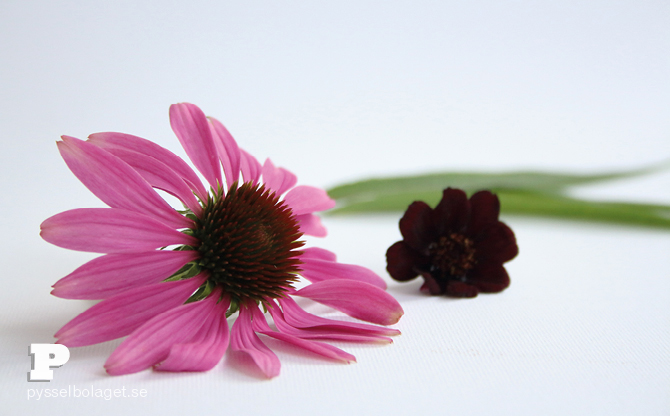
pixel 249 241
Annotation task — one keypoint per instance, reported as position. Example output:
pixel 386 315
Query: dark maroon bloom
pixel 458 247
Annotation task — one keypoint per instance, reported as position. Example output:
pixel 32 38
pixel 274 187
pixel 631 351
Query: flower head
pixel 169 279
pixel 458 247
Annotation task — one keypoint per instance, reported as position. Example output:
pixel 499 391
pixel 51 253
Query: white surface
pixel 341 90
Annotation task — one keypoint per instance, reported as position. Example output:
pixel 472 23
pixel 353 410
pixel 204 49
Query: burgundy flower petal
pixel 497 243
pixel 416 226
pixel 489 277
pixel 452 213
pixel 431 284
pixel 461 289
pixel 401 261
pixel 484 210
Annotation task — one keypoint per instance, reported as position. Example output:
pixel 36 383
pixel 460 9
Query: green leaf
pixel 546 182
pixel 203 291
pixel 186 272
pixel 530 193
pixel 531 203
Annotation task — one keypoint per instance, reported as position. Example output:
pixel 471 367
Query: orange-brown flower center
pixel 452 255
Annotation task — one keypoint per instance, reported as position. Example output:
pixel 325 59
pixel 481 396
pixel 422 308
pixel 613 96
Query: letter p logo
pixel 45 357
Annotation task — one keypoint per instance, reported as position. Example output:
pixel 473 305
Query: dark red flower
pixel 458 247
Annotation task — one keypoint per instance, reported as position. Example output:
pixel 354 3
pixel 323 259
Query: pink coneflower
pixel 170 279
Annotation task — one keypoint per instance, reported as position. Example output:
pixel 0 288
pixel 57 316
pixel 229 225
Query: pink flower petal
pixel 243 338
pixel 159 175
pixel 110 230
pixel 111 274
pixel 305 199
pixel 310 224
pixel 279 180
pixel 316 270
pixel 151 343
pixel 251 169
pixel 358 299
pixel 229 152
pixel 120 315
pixel 260 325
pixel 318 253
pixel 299 318
pixel 115 182
pixel 137 144
pixel 322 333
pixel 192 129
pixel 206 348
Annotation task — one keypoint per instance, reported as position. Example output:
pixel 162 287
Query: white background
pixel 337 91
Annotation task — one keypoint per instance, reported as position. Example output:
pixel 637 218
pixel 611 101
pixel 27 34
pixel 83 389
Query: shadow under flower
pixel 411 291
pixel 407 291
pixel 243 365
